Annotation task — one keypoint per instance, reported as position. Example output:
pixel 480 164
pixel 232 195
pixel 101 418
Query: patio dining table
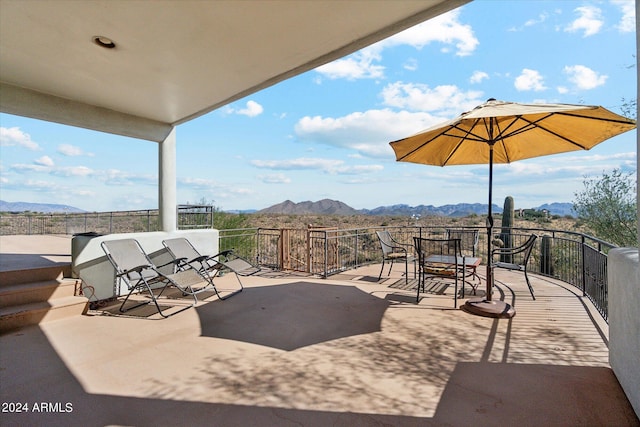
pixel 469 263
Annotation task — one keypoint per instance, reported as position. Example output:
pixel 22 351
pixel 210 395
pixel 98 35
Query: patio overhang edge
pixel 24 102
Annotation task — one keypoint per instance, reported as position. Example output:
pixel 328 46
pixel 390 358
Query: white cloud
pixel 529 80
pixel 411 64
pixel 590 21
pixel 562 90
pixel 627 23
pixel 584 77
pixel 40 185
pixel 368 133
pixel 360 65
pixel 252 109
pixel 44 161
pixel 364 64
pixel 74 171
pixel 330 166
pixel 447 99
pixel 274 178
pixel 445 29
pixel 478 76
pixel 118 177
pixel 14 136
pixel 72 151
pixel 539 20
pixel 19 167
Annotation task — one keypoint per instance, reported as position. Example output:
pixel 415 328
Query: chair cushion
pixel 396 255
pixel 440 269
pixel 508 266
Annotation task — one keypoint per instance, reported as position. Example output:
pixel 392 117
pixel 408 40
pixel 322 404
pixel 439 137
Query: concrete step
pixel 26 293
pixel 40 274
pixel 37 295
pixel 15 317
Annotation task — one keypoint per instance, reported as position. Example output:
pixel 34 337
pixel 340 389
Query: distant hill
pixel 562 209
pixel 458 210
pixel 334 207
pixel 36 207
pixel 322 207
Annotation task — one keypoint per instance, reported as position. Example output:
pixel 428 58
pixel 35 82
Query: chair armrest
pixel 511 251
pixel 137 269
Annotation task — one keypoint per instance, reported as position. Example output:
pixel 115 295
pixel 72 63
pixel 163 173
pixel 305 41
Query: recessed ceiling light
pixel 103 41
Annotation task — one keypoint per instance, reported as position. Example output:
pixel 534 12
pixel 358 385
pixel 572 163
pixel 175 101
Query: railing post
pixel 357 246
pixel 326 255
pixel 584 272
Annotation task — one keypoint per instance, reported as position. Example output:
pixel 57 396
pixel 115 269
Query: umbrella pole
pixel 486 306
pixel 490 226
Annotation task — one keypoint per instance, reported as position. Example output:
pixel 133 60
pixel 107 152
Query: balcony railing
pixel 575 258
pixel 188 217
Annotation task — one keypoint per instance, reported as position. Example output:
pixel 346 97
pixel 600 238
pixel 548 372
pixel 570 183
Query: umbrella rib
pixel 603 119
pixel 570 141
pixel 467 133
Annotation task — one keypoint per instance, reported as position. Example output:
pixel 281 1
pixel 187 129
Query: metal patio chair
pixel 442 258
pixel 134 267
pixel 525 249
pixel 468 245
pixel 187 257
pixel 395 251
pixel 468 239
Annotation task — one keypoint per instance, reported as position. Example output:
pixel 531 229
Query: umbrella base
pixel 495 309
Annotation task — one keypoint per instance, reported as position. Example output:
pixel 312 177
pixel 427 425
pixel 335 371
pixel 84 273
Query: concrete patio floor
pixel 414 364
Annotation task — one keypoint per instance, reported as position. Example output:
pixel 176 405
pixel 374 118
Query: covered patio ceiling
pixel 174 61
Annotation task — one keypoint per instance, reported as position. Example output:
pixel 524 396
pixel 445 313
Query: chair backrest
pixel 426 247
pixel 180 247
pixel 125 255
pixel 468 239
pixel 529 247
pixel 386 242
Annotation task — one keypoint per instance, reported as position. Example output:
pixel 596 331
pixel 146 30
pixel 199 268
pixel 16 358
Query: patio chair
pixel 135 269
pixel 187 257
pixel 468 239
pixel 524 249
pixel 468 244
pixel 395 251
pixel 441 258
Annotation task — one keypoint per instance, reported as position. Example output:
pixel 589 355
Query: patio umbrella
pixel 502 132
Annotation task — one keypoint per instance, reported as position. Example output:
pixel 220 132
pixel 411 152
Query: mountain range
pixel 328 207
pixel 334 207
pixel 36 207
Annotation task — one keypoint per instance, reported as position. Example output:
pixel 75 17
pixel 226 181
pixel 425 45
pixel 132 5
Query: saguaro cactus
pixel 507 225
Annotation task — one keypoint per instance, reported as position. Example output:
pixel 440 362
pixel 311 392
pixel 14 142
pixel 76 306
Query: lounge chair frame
pixel 134 267
pixel 187 257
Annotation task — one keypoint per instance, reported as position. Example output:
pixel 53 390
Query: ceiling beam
pixel 29 103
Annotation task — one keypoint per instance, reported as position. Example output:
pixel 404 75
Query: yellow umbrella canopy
pixel 515 131
pixel 503 132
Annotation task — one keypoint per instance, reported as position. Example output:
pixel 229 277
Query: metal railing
pixel 188 217
pixel 572 257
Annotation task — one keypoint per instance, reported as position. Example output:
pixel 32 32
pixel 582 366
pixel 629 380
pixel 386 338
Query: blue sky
pixel 325 133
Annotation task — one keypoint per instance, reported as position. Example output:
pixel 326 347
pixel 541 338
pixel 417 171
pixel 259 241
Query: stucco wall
pixel 624 320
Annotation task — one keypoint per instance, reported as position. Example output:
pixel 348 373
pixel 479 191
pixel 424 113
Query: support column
pixel 167 201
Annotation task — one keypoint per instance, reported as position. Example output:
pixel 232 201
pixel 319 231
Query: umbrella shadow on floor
pixel 293 315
